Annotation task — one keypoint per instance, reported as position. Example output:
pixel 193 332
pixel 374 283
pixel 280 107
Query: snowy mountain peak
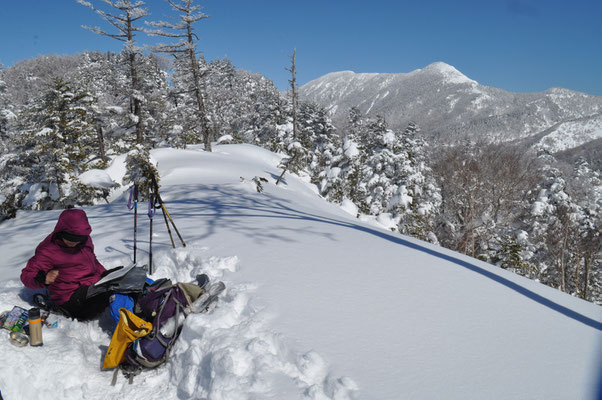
pixel 449 72
pixel 339 74
pixel 450 107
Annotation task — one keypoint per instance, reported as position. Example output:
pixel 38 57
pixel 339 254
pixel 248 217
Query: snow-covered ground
pixel 572 134
pixel 318 304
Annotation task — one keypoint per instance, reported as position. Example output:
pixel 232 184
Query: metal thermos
pixel 35 327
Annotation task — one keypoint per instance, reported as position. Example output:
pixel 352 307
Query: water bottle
pixel 35 327
pixel 171 325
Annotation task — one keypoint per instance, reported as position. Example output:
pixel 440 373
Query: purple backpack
pixel 166 306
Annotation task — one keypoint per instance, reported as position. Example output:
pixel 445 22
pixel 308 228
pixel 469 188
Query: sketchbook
pixel 115 275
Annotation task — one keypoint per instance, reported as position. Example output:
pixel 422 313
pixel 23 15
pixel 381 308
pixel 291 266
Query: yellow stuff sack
pixel 129 328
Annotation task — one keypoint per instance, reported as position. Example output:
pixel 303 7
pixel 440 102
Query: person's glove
pixel 41 277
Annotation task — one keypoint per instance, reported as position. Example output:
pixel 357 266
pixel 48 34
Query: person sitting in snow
pixel 66 265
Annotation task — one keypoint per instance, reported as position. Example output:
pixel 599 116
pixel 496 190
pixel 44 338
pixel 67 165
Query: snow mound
pixel 97 178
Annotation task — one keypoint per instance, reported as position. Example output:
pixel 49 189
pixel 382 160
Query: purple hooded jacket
pixel 77 265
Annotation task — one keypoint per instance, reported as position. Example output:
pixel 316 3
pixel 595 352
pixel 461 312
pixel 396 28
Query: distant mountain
pixel 451 107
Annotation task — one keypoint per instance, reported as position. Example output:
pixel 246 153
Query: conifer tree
pixel 186 55
pixel 140 170
pixel 127 13
pixel 56 144
pixel 552 226
pixel 345 177
pixel 318 134
pixel 288 141
pixel 418 183
pixel 103 76
pixel 7 116
pixel 384 157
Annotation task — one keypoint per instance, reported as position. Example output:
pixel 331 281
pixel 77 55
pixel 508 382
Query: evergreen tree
pixel 156 114
pixel 101 75
pixel 55 145
pixel 127 13
pixel 384 157
pixel 226 107
pixel 288 140
pixel 345 177
pixel 317 133
pixel 553 229
pixel 7 116
pixel 184 50
pixel 140 170
pixel 417 217
pixel 245 106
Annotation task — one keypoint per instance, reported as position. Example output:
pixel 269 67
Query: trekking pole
pixel 166 214
pixel 173 244
pixel 135 218
pixel 134 196
pixel 160 201
pixel 151 214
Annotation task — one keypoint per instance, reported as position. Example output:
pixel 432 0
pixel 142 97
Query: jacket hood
pixel 73 221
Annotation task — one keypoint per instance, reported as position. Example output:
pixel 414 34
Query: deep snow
pixel 318 304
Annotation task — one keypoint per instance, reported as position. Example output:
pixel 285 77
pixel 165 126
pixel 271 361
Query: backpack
pixel 166 306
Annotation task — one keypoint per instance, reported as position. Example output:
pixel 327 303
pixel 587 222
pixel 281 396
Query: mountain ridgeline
pixel 451 108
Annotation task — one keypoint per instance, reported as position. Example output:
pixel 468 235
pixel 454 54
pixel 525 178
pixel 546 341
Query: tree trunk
pixel 294 93
pixel 101 142
pixel 135 86
pixel 562 262
pixel 587 261
pixel 202 118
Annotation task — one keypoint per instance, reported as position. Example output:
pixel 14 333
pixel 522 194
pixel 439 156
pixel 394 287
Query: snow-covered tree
pixel 105 77
pixel 123 17
pixel 345 178
pixel 156 113
pixel 417 184
pixel 245 106
pixel 140 170
pixel 586 190
pixel 7 116
pixel 318 134
pixel 56 143
pixel 297 151
pixel 483 191
pixel 554 226
pixel 186 55
pixel 384 157
pixel 28 78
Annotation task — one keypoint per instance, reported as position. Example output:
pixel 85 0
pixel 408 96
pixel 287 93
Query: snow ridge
pixel 318 304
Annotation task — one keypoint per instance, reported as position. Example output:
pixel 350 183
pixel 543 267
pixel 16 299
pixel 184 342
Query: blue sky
pixel 516 45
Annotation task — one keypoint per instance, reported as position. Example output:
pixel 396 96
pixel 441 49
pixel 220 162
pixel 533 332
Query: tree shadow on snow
pixel 223 205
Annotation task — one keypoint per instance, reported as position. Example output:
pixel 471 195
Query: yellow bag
pixel 129 328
